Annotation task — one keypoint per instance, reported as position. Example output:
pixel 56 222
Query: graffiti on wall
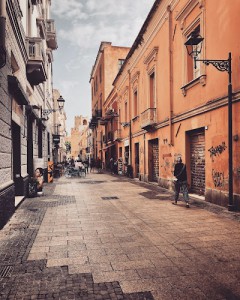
pixel 238 172
pixel 218 150
pixel 166 162
pixel 218 178
pixel 141 151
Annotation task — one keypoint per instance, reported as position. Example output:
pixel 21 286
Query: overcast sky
pixel 81 26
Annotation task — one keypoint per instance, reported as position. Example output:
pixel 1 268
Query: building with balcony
pixel 168 106
pixel 107 64
pixel 26 44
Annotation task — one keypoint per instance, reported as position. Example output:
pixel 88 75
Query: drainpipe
pixel 144 161
pixel 2 33
pixel 130 125
pixel 170 47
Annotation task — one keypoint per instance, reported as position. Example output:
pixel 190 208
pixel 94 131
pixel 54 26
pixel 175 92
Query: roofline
pixel 100 50
pixel 139 38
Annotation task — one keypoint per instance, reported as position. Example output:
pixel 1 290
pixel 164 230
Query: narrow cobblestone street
pixel 107 237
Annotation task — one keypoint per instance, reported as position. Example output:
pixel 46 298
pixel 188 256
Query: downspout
pixel 144 161
pixel 170 47
pixel 130 120
pixel 2 33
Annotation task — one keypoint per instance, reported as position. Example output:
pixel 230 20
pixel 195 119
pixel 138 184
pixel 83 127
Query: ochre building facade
pixel 167 107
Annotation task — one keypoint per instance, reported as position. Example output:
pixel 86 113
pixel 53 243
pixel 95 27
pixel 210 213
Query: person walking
pixel 180 172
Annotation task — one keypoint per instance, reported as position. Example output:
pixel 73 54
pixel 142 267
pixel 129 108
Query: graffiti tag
pixel 218 178
pixel 216 151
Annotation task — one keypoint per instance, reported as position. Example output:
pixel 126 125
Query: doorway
pixel 137 160
pixel 197 161
pixel 30 146
pixel 16 159
pixel 153 160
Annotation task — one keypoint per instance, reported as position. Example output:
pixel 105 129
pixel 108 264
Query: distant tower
pixel 80 126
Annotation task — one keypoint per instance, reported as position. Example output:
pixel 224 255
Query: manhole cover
pixel 91 182
pixel 49 200
pixel 110 198
pixel 6 271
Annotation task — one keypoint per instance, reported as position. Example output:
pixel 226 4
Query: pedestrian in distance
pixel 180 172
pixel 99 165
pixel 86 165
pixel 72 163
pixel 92 165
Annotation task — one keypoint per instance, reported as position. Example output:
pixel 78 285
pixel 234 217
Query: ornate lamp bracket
pixel 221 65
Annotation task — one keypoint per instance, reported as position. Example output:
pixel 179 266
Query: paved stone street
pixel 108 237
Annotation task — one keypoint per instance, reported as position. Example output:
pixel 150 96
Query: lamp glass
pixel 61 102
pixel 194 44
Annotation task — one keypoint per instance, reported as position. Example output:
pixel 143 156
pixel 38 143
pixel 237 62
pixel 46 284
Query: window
pixel 135 103
pixel 100 74
pixel 120 117
pixel 96 84
pixel 120 63
pixel 126 115
pixel 193 70
pixel 152 90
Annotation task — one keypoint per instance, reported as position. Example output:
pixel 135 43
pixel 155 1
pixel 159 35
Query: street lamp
pixel 46 112
pixel 194 47
pixel 129 167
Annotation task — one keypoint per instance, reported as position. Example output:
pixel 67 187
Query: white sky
pixel 81 26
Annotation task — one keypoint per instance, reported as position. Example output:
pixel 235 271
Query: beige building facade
pixel 27 42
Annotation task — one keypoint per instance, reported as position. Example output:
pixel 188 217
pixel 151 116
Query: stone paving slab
pixel 76 243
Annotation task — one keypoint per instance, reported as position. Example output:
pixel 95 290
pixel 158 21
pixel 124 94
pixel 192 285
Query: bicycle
pixel 71 172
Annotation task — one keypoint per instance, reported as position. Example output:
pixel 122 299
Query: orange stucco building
pixel 167 107
pixel 107 64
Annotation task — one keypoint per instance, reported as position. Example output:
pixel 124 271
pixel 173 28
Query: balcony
pixel 117 135
pixel 110 136
pixel 93 123
pixel 36 72
pixel 51 35
pixel 98 113
pixel 104 139
pixel 148 119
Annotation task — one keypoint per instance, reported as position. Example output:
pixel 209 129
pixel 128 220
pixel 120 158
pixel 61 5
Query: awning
pixel 16 90
pixel 108 146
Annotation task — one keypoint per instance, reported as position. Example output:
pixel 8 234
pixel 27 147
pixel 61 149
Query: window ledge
pixel 135 118
pixel 201 79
